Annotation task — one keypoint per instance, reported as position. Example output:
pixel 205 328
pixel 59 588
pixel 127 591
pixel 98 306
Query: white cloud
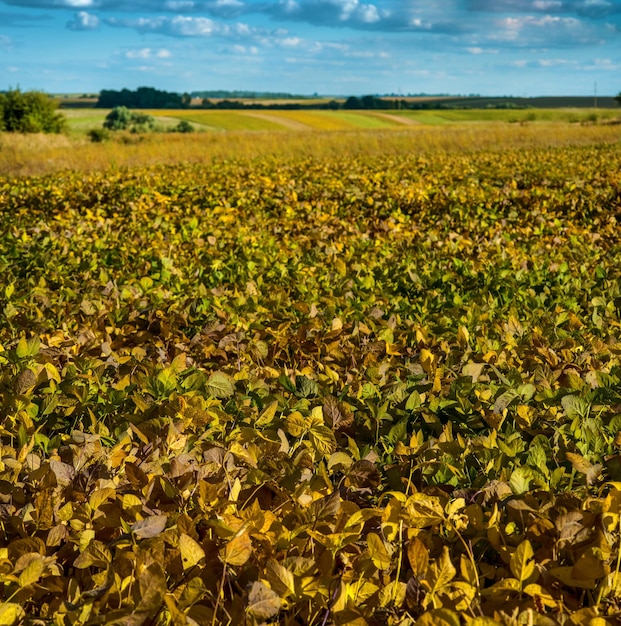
pixel 547 5
pixel 83 21
pixel 555 62
pixel 148 53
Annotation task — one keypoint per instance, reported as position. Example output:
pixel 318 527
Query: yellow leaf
pixel 32 572
pixel 537 591
pixel 267 416
pixel 263 603
pixel 463 337
pixel 441 572
pixel 418 555
pixel 522 562
pixel 377 549
pixel 237 551
pixel 427 360
pixel 191 551
pixel 526 415
pixel 10 613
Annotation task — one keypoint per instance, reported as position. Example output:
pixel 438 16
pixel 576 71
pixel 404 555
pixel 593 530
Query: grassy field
pixel 82 120
pixel 40 154
pixel 310 378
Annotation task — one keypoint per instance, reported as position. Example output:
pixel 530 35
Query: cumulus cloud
pixel 215 8
pixel 148 53
pixel 5 42
pixel 83 21
pixel 547 31
pixel 583 8
pixel 185 26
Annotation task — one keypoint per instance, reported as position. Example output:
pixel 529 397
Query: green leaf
pixel 167 380
pixel 220 385
pixel 28 347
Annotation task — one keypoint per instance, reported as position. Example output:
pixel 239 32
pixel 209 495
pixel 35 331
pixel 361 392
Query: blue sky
pixel 492 47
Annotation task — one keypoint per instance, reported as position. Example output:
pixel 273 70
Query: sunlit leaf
pixel 263 603
pixel 238 550
pixel 522 561
pixel 191 551
pixel 220 385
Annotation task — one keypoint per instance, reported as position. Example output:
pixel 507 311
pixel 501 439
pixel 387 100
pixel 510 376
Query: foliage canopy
pixel 377 390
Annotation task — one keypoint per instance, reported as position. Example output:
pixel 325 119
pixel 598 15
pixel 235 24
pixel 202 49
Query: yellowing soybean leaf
pixel 150 527
pixel 468 571
pixel 96 554
pixel 393 594
pixel 10 613
pixel 322 439
pixel 418 556
pixel 564 574
pixel 296 424
pixel 339 460
pixel 589 566
pixel 441 572
pixel 237 551
pixel 522 562
pixel 32 572
pixel 379 554
pixel 537 591
pixel 526 415
pixel 263 603
pixel 99 496
pixel 473 370
pixel 167 379
pixel 267 416
pixel 220 385
pixel 281 580
pixel 191 551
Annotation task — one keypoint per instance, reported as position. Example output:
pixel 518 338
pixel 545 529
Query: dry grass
pixel 39 154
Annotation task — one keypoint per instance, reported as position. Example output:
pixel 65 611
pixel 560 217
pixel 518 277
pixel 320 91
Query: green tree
pixel 618 98
pixel 30 112
pixel 121 118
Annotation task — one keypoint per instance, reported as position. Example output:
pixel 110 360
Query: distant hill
pixel 509 102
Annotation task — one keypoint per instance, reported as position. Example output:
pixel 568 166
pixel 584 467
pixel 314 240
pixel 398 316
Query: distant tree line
pixel 143 98
pixel 248 95
pixel 150 98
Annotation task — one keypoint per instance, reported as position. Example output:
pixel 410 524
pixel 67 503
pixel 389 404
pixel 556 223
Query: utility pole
pixel 595 94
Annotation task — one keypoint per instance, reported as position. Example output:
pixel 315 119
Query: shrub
pixel 30 112
pixel 121 118
pixel 183 127
pixel 99 135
